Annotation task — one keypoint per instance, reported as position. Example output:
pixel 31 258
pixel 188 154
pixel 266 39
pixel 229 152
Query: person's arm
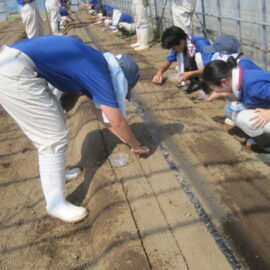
pixel 214 96
pixel 260 118
pixel 158 77
pixel 119 126
pixel 98 113
pixel 189 74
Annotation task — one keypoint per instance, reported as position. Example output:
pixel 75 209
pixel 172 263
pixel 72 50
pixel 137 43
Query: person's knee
pixel 243 122
pixel 54 145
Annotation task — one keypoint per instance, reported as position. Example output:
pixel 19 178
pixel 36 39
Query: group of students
pixel 225 74
pixel 119 20
pixel 29 67
pixel 58 12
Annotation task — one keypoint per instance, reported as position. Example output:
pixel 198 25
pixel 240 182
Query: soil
pixel 200 200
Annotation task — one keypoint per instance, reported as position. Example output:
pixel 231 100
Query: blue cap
pixel 131 71
pixel 224 44
pixel 98 7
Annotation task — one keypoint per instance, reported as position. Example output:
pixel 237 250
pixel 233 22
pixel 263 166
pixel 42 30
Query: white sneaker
pixel 134 45
pixel 68 212
pixel 229 122
pixel 141 48
pixel 72 174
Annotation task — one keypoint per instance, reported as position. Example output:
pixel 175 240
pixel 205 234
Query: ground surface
pixel 198 193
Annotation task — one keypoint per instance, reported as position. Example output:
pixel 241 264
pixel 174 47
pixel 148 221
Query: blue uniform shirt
pixel 246 63
pixel 63 12
pixel 71 66
pixel 200 43
pixel 125 17
pixel 21 2
pixel 93 2
pixel 255 88
pixel 108 9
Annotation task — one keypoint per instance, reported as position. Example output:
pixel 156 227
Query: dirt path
pixel 150 213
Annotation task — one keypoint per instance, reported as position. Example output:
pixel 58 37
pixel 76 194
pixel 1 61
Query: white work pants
pixel 55 17
pixel 242 120
pixel 116 17
pixel 182 13
pixel 129 27
pixel 140 14
pixel 32 20
pixel 30 103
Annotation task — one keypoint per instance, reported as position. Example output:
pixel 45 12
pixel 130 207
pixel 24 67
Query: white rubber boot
pixel 52 176
pixel 138 43
pixel 55 29
pixel 143 40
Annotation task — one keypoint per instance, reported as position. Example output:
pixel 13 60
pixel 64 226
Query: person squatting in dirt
pixel 248 88
pixel 188 52
pixel 71 66
pixel 121 21
pixel 90 5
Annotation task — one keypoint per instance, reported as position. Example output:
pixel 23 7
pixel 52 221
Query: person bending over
pixel 248 88
pixel 71 66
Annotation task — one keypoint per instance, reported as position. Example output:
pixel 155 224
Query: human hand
pixel 157 79
pixel 260 118
pixel 213 96
pixel 140 150
pixel 183 77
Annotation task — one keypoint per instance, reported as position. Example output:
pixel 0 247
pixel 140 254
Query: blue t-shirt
pixel 200 43
pixel 71 66
pixel 255 88
pixel 93 2
pixel 108 9
pixel 125 17
pixel 22 2
pixel 246 63
pixel 63 11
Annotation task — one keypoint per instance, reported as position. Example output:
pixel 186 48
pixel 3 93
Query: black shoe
pixel 192 87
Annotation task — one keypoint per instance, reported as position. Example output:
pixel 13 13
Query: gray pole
pixel 203 12
pixel 219 17
pixel 264 35
pixel 238 23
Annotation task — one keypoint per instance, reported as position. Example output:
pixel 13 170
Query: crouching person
pixel 188 52
pixel 248 87
pixel 26 68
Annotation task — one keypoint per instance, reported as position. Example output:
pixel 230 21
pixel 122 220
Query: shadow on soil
pixel 92 160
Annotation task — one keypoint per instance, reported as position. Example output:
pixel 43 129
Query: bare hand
pixel 260 118
pixel 141 150
pixel 183 77
pixel 157 79
pixel 213 96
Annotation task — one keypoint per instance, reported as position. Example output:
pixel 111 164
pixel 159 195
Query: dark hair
pixel 172 36
pixel 217 70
